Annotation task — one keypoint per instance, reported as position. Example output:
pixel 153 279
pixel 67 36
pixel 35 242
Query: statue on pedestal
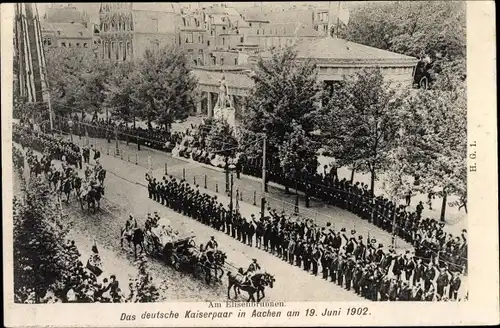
pixel 224 109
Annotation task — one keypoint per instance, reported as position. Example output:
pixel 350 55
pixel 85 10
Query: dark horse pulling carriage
pixel 183 255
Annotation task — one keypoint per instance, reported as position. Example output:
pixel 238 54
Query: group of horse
pixel 183 255
pixel 67 181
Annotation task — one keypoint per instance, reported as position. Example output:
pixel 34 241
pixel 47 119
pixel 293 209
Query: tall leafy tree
pixel 39 238
pixel 434 135
pixel 360 122
pixel 166 88
pixel 76 80
pixel 284 99
pixel 434 30
pixel 121 93
pixel 221 138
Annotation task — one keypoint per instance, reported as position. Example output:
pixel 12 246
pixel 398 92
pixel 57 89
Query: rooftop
pixel 234 80
pixel 63 15
pixel 156 6
pixel 342 50
pixel 66 30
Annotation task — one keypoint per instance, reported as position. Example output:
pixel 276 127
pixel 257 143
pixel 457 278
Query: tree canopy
pixel 435 30
pixel 360 122
pixel 76 80
pixel 166 88
pixel 285 97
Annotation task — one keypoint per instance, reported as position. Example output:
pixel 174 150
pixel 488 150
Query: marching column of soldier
pixel 349 261
pixel 66 178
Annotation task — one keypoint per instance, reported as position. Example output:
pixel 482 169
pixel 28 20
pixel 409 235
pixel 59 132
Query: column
pixel 210 108
pixel 198 104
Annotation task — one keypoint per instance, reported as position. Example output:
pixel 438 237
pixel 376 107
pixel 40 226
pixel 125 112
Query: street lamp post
pixel 107 126
pixel 226 166
pixel 70 124
pixel 294 175
pixel 231 168
pixel 264 189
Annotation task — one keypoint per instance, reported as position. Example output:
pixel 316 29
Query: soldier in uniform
pixel 250 232
pixel 349 268
pixel 454 286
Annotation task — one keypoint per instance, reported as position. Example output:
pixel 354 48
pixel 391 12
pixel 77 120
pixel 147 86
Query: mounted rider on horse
pixel 253 269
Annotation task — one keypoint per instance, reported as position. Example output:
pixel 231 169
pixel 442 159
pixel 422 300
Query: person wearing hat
pixel 442 281
pixel 251 271
pixel 454 286
pixel 130 225
pixel 250 231
pixel 212 243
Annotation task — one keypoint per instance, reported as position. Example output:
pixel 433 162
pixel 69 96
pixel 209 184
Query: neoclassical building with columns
pixel 335 59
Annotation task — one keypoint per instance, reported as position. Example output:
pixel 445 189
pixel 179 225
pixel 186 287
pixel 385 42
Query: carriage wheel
pixel 175 262
pixel 199 270
pixel 148 247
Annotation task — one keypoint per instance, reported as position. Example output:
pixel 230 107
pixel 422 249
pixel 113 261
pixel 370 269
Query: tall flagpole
pixel 338 21
pixel 329 19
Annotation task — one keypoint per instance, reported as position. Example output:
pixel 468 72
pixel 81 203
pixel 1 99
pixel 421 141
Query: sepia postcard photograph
pixel 329 163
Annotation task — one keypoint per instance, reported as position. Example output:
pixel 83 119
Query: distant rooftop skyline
pixel 92 9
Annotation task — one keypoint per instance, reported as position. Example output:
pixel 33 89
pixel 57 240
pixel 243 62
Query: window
pixel 189 38
pixel 223 41
pixel 208 43
pixel 120 52
pixel 195 62
pixel 241 40
pixel 69 44
pixel 213 60
pixel 212 32
pixel 155 45
pixel 154 22
pixel 58 32
pixel 78 45
pixel 222 61
pixel 200 38
pixel 250 24
pixel 63 44
pixel 113 50
pixel 236 61
pixel 129 49
pixel 257 32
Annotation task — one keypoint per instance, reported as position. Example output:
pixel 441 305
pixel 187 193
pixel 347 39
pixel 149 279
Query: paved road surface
pixel 123 193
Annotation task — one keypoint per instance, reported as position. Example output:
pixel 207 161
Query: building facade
pixel 127 30
pixel 222 41
pixel 66 27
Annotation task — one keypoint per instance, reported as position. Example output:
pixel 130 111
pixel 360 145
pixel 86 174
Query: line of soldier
pixel 327 187
pixel 156 138
pixel 425 234
pixel 56 147
pixel 348 261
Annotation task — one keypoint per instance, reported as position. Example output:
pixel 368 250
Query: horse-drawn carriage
pixel 182 254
